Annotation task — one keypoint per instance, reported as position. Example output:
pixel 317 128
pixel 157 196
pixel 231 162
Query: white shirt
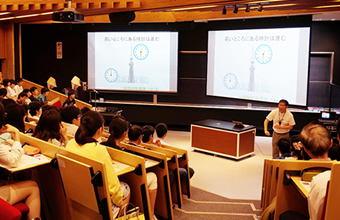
pixel 317 193
pixel 18 89
pixel 162 141
pixel 10 158
pixel 71 128
pixel 27 101
pixel 287 119
pixel 10 91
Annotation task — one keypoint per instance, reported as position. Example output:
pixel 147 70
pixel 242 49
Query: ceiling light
pixel 247 8
pixel 224 11
pixel 235 9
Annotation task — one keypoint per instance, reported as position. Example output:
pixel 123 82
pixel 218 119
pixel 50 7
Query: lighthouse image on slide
pixel 251 86
pixel 131 74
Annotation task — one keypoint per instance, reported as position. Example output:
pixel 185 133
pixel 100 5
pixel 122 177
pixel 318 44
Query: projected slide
pixel 133 61
pixel 259 64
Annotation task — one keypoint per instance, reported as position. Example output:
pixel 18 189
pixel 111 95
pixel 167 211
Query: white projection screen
pixel 133 61
pixel 259 64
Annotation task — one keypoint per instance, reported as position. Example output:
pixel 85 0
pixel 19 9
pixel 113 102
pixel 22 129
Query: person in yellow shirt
pixel 85 143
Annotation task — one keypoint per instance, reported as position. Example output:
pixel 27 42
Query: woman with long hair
pixel 118 129
pixel 15 192
pixel 85 143
pixel 50 128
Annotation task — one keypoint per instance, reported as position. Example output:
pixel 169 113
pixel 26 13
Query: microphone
pixel 95 91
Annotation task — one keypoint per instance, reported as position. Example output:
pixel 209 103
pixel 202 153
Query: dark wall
pixel 325 38
pixel 39 63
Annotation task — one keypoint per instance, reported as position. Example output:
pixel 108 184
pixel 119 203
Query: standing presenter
pixel 283 122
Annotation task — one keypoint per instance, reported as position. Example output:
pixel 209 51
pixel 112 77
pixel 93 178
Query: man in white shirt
pixel 283 122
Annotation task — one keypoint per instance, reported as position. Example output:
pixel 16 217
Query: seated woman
pixel 118 131
pixel 50 129
pixel 85 143
pixel 14 192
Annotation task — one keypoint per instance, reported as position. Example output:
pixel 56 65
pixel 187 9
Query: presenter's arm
pixel 284 127
pixel 265 125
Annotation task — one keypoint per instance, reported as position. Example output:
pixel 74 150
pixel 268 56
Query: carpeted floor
pixel 204 205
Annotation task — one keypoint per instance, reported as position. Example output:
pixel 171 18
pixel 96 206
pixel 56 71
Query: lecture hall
pixel 161 109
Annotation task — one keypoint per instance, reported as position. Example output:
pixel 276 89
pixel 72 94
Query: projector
pixel 67 15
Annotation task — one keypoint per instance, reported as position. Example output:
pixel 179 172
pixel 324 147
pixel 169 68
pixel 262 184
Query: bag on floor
pixel 132 214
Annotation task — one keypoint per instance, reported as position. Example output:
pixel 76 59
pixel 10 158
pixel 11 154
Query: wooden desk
pixel 296 181
pixel 172 157
pixel 28 162
pixel 163 206
pixel 222 138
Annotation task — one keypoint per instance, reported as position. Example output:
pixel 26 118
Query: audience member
pixel 78 89
pixel 70 100
pixel 148 132
pixel 10 91
pixel 85 143
pixel 43 96
pixel 22 97
pixel 18 87
pixel 71 115
pixel 50 129
pixel 118 130
pixel 162 131
pixel 15 116
pixel 5 82
pixel 316 140
pixel 284 147
pixel 29 94
pixel 6 102
pixel 135 134
pixel 35 110
pixel 35 92
pixel 296 147
pixel 3 92
pixel 84 110
pixel 48 107
pixel 14 192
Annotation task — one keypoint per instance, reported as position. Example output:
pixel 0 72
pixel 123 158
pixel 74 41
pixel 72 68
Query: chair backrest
pixel 332 210
pixel 72 172
pixel 84 183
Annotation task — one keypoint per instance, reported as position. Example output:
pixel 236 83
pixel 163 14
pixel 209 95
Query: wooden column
pixel 7 50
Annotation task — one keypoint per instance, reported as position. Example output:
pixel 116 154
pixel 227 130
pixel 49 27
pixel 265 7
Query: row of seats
pixel 277 183
pixel 168 156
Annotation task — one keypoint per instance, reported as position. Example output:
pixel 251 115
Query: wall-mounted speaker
pixel 122 17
